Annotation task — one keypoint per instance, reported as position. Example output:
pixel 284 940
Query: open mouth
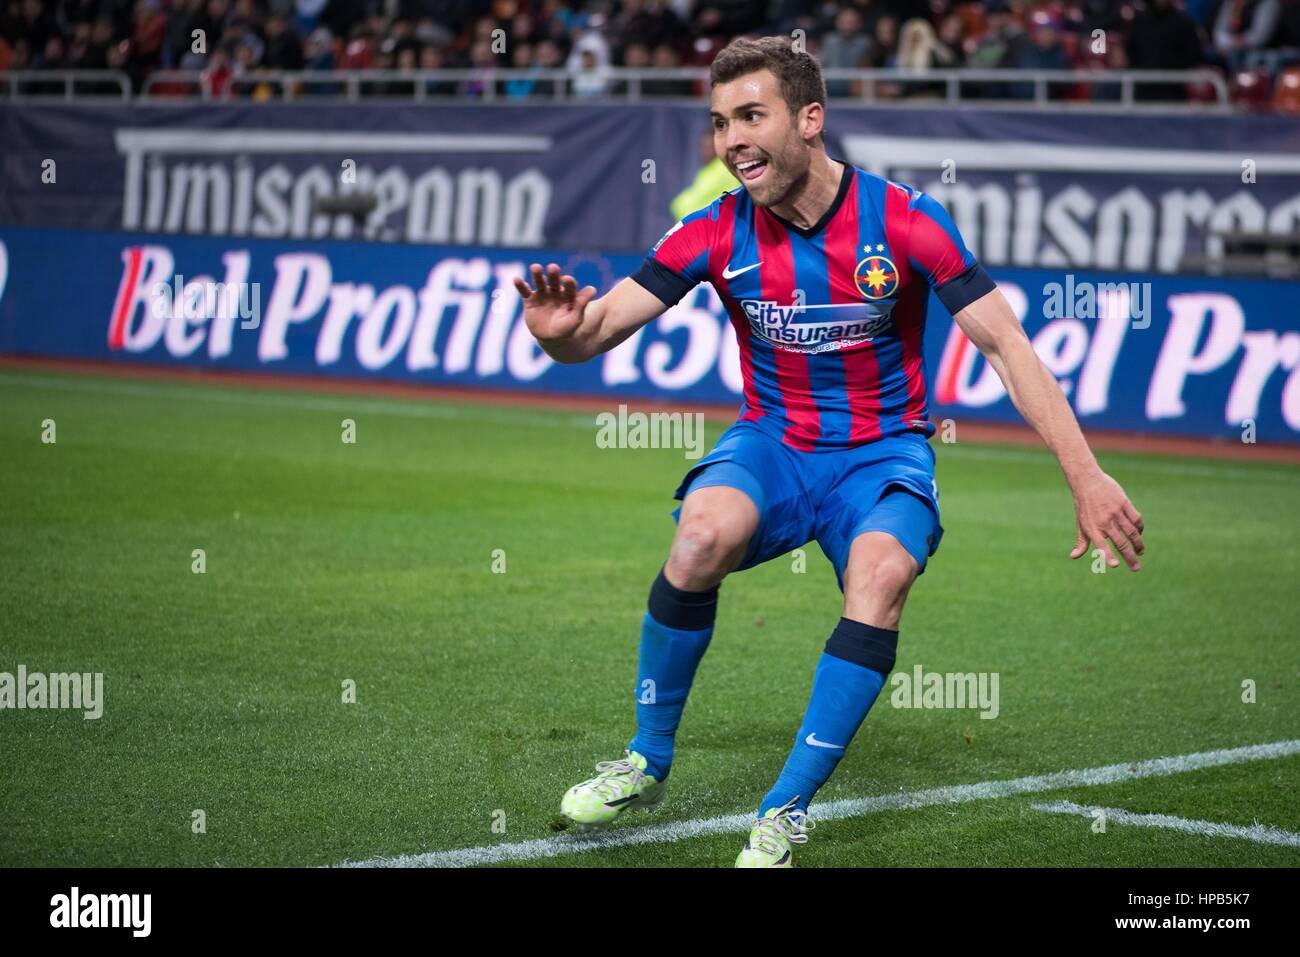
pixel 751 170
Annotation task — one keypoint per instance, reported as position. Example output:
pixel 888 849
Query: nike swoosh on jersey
pixel 812 739
pixel 728 273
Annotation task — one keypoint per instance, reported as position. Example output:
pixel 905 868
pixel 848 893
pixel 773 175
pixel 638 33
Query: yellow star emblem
pixel 876 278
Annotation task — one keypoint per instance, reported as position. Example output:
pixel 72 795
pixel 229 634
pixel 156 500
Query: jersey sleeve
pixel 680 260
pixel 937 250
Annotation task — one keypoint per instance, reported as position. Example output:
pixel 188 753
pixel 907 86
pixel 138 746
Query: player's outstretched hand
pixel 1103 511
pixel 553 310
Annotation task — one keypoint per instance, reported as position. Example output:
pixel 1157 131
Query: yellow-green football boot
pixel 620 786
pixel 768 844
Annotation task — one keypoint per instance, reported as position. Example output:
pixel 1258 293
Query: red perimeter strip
pixel 972 432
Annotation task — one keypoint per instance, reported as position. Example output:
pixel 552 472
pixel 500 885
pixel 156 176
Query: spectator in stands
pixel 589 63
pixel 306 15
pixel 318 51
pixel 785 16
pixel 406 60
pixel 1243 27
pixel 521 58
pixel 549 57
pixel 212 21
pixel 215 80
pixel 283 48
pixel 150 28
pixel 101 38
pixel 920 49
pixel 952 34
pixel 484 61
pixel 646 21
pixel 11 19
pixel 1163 37
pixel 342 15
pixel 78 45
pixel 430 32
pixel 1105 15
pixel 431 58
pixel 1201 11
pixel 18 55
pixel 1107 58
pixel 383 59
pixel 552 25
pixel 138 36
pixel 1000 48
pixel 119 58
pixel 885 42
pixel 666 58
pixel 590 78
pixel 919 52
pixel 36 24
pixel 1286 43
pixel 246 60
pixel 240 32
pixel 636 55
pixel 728 18
pixel 178 41
pixel 52 58
pixel 522 29
pixel 844 48
pixel 1043 52
pixel 1289 24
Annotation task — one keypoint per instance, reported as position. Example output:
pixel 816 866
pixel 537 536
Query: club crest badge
pixel 876 276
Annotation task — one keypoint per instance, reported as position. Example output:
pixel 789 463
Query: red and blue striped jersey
pixel 829 319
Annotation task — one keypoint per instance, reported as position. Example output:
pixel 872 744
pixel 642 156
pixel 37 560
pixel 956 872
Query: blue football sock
pixel 849 676
pixel 675 633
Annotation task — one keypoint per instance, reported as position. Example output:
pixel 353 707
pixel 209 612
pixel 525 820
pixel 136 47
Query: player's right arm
pixel 571 325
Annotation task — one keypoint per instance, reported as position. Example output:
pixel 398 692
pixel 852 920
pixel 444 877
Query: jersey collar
pixel 831 210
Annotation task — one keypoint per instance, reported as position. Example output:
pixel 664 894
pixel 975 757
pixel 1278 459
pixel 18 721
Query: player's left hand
pixel 1102 511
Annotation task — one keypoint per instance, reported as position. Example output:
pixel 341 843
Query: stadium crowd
pixel 228 39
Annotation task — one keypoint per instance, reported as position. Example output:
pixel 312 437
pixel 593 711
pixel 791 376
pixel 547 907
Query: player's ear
pixel 811 120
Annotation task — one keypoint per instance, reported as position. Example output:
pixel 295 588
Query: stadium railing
pixel 1121 89
pixel 64 84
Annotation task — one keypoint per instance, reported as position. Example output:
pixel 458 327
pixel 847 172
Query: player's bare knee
pixel 701 554
pixel 881 576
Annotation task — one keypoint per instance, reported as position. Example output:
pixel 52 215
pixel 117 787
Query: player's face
pixel 752 123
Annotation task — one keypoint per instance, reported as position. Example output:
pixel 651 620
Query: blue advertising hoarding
pixel 1132 351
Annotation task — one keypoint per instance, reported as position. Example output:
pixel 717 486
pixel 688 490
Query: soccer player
pixel 825 271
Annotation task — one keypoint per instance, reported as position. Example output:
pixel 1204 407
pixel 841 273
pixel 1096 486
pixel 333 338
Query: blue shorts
pixel 882 486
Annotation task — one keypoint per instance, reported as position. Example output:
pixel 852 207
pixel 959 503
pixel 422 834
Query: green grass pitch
pixel 482 696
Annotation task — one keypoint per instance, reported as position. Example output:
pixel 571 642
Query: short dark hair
pixel 798 75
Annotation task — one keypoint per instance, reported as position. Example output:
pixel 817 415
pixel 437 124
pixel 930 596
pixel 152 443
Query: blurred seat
pixel 1201 91
pixel 1286 94
pixel 1251 89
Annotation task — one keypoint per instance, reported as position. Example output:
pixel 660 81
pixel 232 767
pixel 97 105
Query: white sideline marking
pixel 1261 833
pixel 856 807
pixel 431 408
